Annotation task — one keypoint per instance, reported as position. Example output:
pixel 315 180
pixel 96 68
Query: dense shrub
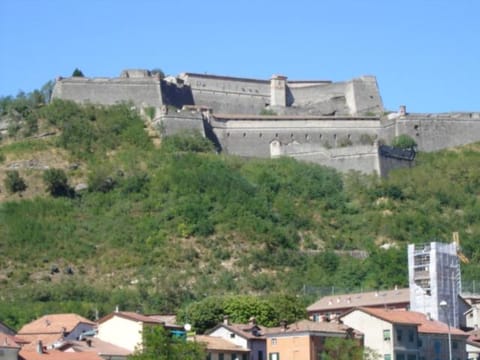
pixel 14 182
pixel 56 182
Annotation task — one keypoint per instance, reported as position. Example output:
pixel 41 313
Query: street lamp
pixel 443 304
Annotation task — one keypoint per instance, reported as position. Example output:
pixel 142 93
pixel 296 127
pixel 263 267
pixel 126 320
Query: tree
pixel 56 182
pixel 342 349
pixel 14 182
pixel 77 73
pixel 158 344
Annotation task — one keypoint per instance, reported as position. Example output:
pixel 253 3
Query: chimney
pixel 283 325
pixel 403 110
pixel 40 347
pixel 226 320
pixel 89 342
pixel 252 321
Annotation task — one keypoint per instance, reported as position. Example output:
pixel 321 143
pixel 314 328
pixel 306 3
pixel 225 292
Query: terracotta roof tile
pixel 100 347
pixel 58 355
pixel 246 331
pixel 425 325
pixel 138 317
pixel 308 326
pixel 218 343
pixel 9 341
pixel 54 323
pixel 373 298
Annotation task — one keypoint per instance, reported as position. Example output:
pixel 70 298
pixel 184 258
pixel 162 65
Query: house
pixel 473 345
pixel 221 349
pixel 124 329
pixel 330 307
pixel 472 316
pixel 9 346
pixel 91 344
pixel 248 336
pixel 303 339
pixel 405 335
pixel 50 329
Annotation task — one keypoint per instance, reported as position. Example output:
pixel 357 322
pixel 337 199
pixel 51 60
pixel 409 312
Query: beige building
pixel 406 335
pixel 125 329
pixel 302 340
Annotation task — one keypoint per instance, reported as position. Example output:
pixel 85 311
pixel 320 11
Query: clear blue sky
pixel 424 53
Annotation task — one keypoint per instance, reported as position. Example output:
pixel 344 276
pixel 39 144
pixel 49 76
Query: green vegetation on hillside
pixel 163 229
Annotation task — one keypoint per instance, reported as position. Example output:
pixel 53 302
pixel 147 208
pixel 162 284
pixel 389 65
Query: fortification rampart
pixel 143 92
pixel 434 132
pixel 228 95
pixel 252 135
pixel 319 121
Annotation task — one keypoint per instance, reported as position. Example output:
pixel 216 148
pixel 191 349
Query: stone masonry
pixel 338 124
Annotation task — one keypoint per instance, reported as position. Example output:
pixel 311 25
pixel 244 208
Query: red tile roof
pixel 139 318
pixel 247 331
pixel 308 326
pixel 219 344
pixel 425 325
pixel 99 346
pixel 10 341
pixel 58 355
pixel 373 298
pixel 54 323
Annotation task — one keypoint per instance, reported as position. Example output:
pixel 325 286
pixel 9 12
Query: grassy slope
pixel 181 223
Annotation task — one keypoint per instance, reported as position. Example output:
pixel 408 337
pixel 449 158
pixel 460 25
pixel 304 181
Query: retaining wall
pixel 142 92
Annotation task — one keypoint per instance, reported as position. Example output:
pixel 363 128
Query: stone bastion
pixel 338 124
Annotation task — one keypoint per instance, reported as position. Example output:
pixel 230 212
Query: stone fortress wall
pixel 338 124
pixel 137 86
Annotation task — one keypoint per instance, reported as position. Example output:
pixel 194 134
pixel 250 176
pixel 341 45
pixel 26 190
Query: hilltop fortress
pixel 338 124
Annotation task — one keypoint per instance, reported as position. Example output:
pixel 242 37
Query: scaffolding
pixel 434 276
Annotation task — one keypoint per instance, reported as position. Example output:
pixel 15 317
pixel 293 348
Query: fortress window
pixel 416 127
pixel 349 136
pixel 228 134
pixel 320 136
pixel 244 134
pixel 260 135
pixel 291 135
pixel 334 136
pixel 307 137
pixel 276 135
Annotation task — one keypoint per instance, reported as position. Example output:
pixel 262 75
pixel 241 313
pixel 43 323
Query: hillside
pixel 160 227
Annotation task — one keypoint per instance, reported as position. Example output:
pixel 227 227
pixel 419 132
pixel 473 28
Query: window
pixel 244 357
pixel 399 334
pixel 209 356
pixel 221 356
pixel 411 335
pixel 399 356
pixel 412 357
pixel 234 356
pixel 232 335
pixel 454 345
pixel 386 334
pixel 274 341
pixel 273 356
pixel 260 355
pixel 387 357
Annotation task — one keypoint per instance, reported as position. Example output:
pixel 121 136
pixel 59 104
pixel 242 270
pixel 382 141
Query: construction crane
pixel 460 254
